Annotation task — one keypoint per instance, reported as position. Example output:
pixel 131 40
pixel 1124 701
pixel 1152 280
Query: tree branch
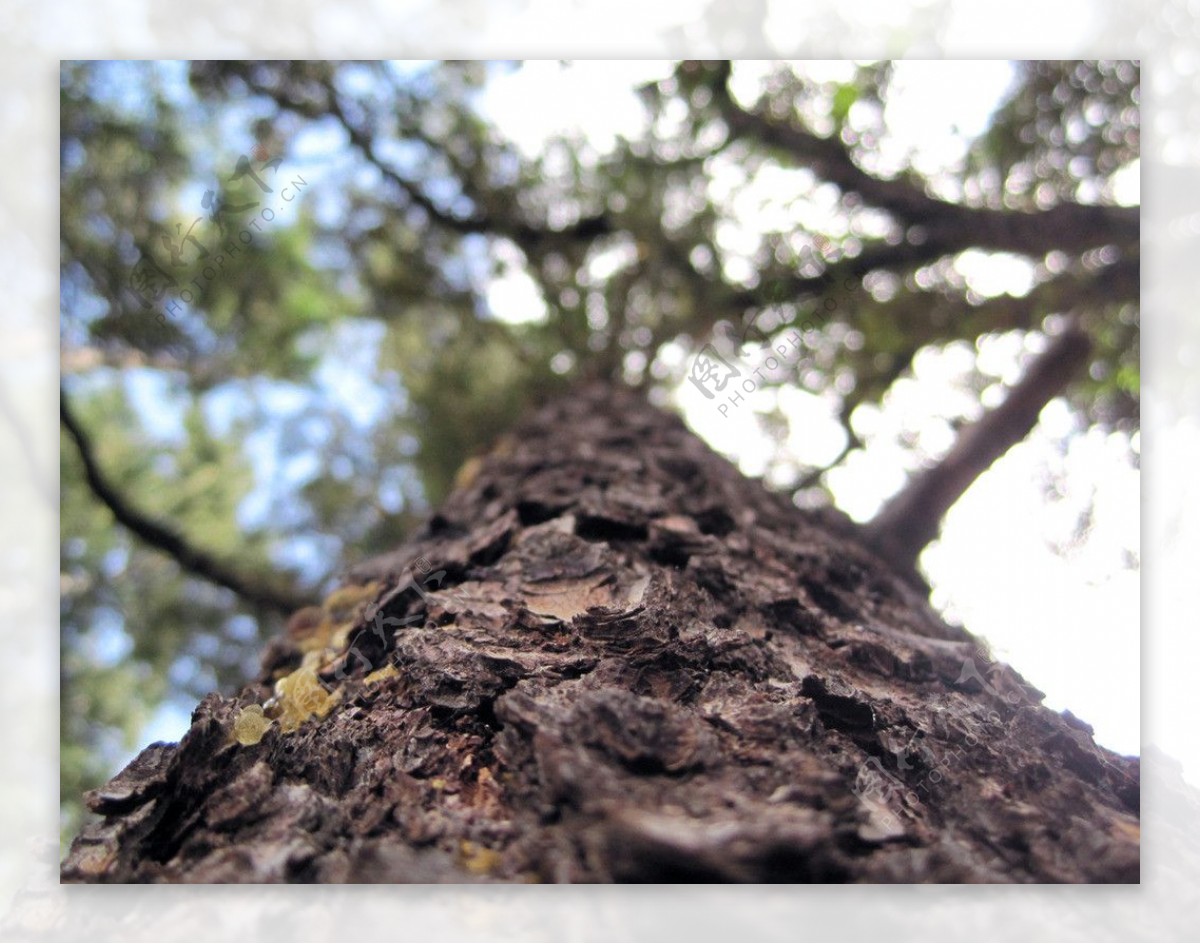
pixel 910 520
pixel 1069 227
pixel 814 475
pixel 524 234
pixel 253 589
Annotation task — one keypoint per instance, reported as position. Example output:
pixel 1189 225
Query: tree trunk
pixel 610 657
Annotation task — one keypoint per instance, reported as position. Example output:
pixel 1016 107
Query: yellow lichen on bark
pixel 302 696
pixel 342 603
pixel 250 725
pixel 468 472
pixel 477 859
pixel 387 672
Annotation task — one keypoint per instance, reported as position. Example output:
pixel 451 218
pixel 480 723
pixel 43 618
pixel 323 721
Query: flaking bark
pixel 614 658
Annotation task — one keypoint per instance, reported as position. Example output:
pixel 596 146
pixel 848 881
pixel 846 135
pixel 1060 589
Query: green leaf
pixel 843 99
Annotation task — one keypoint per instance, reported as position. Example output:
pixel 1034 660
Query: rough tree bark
pixel 612 657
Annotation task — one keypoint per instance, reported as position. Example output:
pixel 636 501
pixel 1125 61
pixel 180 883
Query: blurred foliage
pixel 1065 130
pixel 331 351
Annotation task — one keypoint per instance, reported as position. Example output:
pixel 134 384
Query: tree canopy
pixel 297 296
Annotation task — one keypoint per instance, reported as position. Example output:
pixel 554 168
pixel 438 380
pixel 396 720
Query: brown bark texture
pixel 611 657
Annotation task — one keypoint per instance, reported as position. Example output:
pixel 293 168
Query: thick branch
pixel 1069 227
pixel 912 518
pixel 253 589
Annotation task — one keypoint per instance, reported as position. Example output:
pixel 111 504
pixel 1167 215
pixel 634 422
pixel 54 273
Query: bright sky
pixel 1070 624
